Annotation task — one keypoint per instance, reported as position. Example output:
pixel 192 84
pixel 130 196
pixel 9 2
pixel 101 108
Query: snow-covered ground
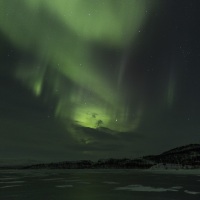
pixel 173 169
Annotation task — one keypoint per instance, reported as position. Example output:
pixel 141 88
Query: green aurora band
pixel 62 35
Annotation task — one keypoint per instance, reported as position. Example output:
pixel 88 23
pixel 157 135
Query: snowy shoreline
pixel 175 171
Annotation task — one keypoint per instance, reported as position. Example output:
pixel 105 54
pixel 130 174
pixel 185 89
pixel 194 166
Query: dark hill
pixel 188 155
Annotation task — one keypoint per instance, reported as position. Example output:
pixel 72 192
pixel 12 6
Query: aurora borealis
pixel 97 78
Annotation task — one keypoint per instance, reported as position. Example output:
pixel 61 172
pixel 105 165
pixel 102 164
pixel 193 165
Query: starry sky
pixel 91 79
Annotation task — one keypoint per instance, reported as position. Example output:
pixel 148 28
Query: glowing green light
pixel 60 35
pixel 113 22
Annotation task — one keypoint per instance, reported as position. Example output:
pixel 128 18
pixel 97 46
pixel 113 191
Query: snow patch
pixel 110 182
pixel 53 179
pixel 10 182
pixel 9 186
pixel 168 166
pixel 141 188
pixel 191 192
pixel 64 186
pixel 177 187
pixel 174 171
pixel 73 180
pixel 84 182
pixel 9 178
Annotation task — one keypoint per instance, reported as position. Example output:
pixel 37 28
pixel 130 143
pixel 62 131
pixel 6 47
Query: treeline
pixel 100 164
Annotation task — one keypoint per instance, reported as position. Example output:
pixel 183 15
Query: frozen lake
pixel 98 185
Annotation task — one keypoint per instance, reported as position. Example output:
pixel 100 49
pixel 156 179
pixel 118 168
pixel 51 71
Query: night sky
pixel 91 79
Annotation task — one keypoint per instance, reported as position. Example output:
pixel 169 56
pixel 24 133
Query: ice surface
pixel 123 184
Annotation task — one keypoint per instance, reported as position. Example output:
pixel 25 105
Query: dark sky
pixel 98 79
